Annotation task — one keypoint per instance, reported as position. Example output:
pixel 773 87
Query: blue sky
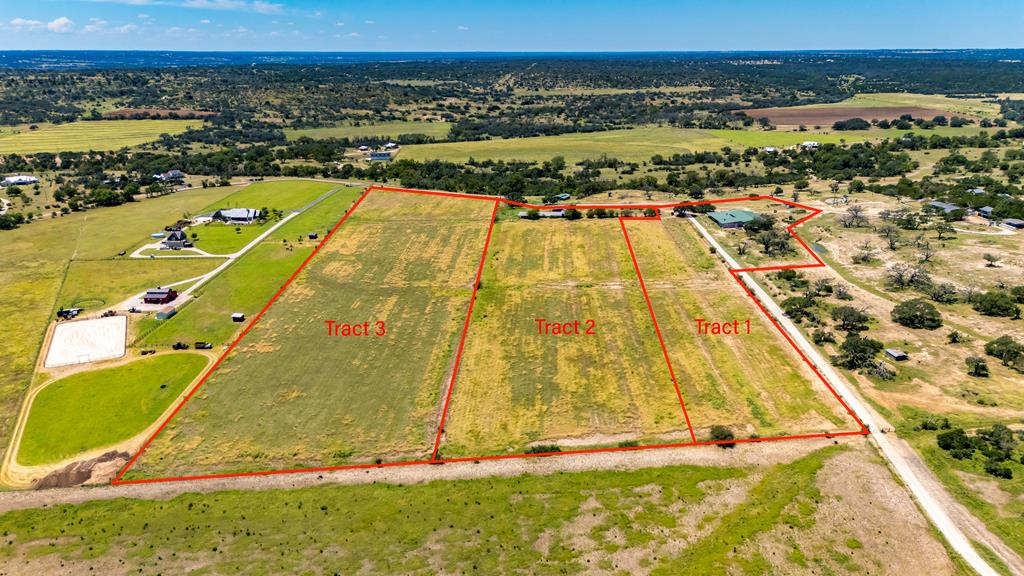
pixel 504 25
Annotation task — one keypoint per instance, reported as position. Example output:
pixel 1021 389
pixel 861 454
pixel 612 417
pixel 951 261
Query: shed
pixel 238 317
pixel 732 218
pixel 896 354
pixel 313 236
pixel 946 207
pixel 166 312
pixel 986 211
pixel 1014 223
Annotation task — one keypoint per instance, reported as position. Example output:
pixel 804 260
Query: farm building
pixel 525 214
pixel 380 155
pixel 562 197
pixel 237 215
pixel 159 295
pixel 1014 223
pixel 177 239
pixel 238 317
pixel 809 145
pixel 976 191
pixel 166 312
pixel 732 218
pixel 364 148
pixel 986 211
pixel 390 146
pixel 19 180
pixel 769 149
pixel 896 354
pixel 945 207
pixel 202 219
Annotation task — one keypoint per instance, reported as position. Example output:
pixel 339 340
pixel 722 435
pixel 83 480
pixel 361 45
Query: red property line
pixel 654 320
pixel 465 330
pixel 497 201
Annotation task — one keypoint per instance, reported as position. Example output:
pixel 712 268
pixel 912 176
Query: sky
pixel 507 25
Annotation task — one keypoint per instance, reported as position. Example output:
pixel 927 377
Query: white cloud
pixel 145 16
pixel 25 24
pixel 339 24
pixel 127 28
pixel 371 22
pixel 353 35
pixel 94 25
pixel 258 6
pixel 463 28
pixel 241 30
pixel 204 21
pixel 60 25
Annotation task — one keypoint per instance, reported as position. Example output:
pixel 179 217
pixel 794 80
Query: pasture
pixel 315 399
pixel 88 135
pixel 517 387
pixel 99 408
pixel 32 274
pixel 877 106
pixel 391 129
pixel 754 383
pixel 95 284
pixel 637 145
pixel 813 510
pixel 783 138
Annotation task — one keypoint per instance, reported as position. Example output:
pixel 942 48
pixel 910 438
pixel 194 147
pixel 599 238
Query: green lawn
pixel 33 263
pixel 220 238
pixel 100 408
pixel 84 136
pixel 275 194
pixel 93 284
pixel 391 129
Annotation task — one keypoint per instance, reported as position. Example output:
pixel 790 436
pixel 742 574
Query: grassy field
pixel 754 383
pixel 391 129
pixel 220 238
pixel 783 519
pixel 90 410
pixel 516 386
pixel 85 136
pixel 966 106
pixel 93 284
pixel 34 261
pixel 312 399
pixel 780 138
pixel 637 144
pixel 275 194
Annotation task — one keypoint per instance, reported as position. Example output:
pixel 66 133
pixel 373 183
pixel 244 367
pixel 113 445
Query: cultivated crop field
pixel 517 386
pixel 85 136
pixel 754 383
pixel 292 395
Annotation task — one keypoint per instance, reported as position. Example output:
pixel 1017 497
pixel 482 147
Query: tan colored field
pixel 754 383
pixel 517 387
pixel 291 395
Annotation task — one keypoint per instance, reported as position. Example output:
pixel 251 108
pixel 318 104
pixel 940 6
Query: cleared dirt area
pixel 83 341
pixel 827 116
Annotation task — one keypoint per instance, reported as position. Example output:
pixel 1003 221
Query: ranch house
pixel 19 180
pixel 732 218
pixel 177 239
pixel 159 295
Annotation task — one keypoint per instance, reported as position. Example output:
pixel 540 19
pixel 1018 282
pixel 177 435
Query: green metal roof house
pixel 732 218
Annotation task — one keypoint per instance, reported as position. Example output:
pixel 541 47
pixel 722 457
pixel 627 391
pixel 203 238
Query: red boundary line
pixel 497 201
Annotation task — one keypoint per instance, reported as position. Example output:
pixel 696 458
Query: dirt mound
pixel 92 471
pixel 828 116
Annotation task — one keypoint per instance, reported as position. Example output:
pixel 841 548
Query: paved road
pixel 903 459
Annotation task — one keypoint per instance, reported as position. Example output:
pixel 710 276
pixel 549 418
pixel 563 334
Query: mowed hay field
pixel 292 396
pixel 516 387
pixel 877 106
pixel 635 145
pixel 84 136
pixel 754 383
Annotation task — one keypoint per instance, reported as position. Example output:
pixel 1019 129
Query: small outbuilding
pixel 238 317
pixel 19 180
pixel 896 354
pixel 1015 223
pixel 166 312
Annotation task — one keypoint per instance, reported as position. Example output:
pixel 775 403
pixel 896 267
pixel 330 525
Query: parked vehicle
pixel 180 346
pixel 203 346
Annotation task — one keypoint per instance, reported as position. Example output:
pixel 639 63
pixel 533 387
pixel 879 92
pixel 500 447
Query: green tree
pixel 849 319
pixel 917 313
pixel 996 303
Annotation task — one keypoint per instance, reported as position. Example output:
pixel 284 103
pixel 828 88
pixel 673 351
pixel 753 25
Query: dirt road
pixel 948 516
